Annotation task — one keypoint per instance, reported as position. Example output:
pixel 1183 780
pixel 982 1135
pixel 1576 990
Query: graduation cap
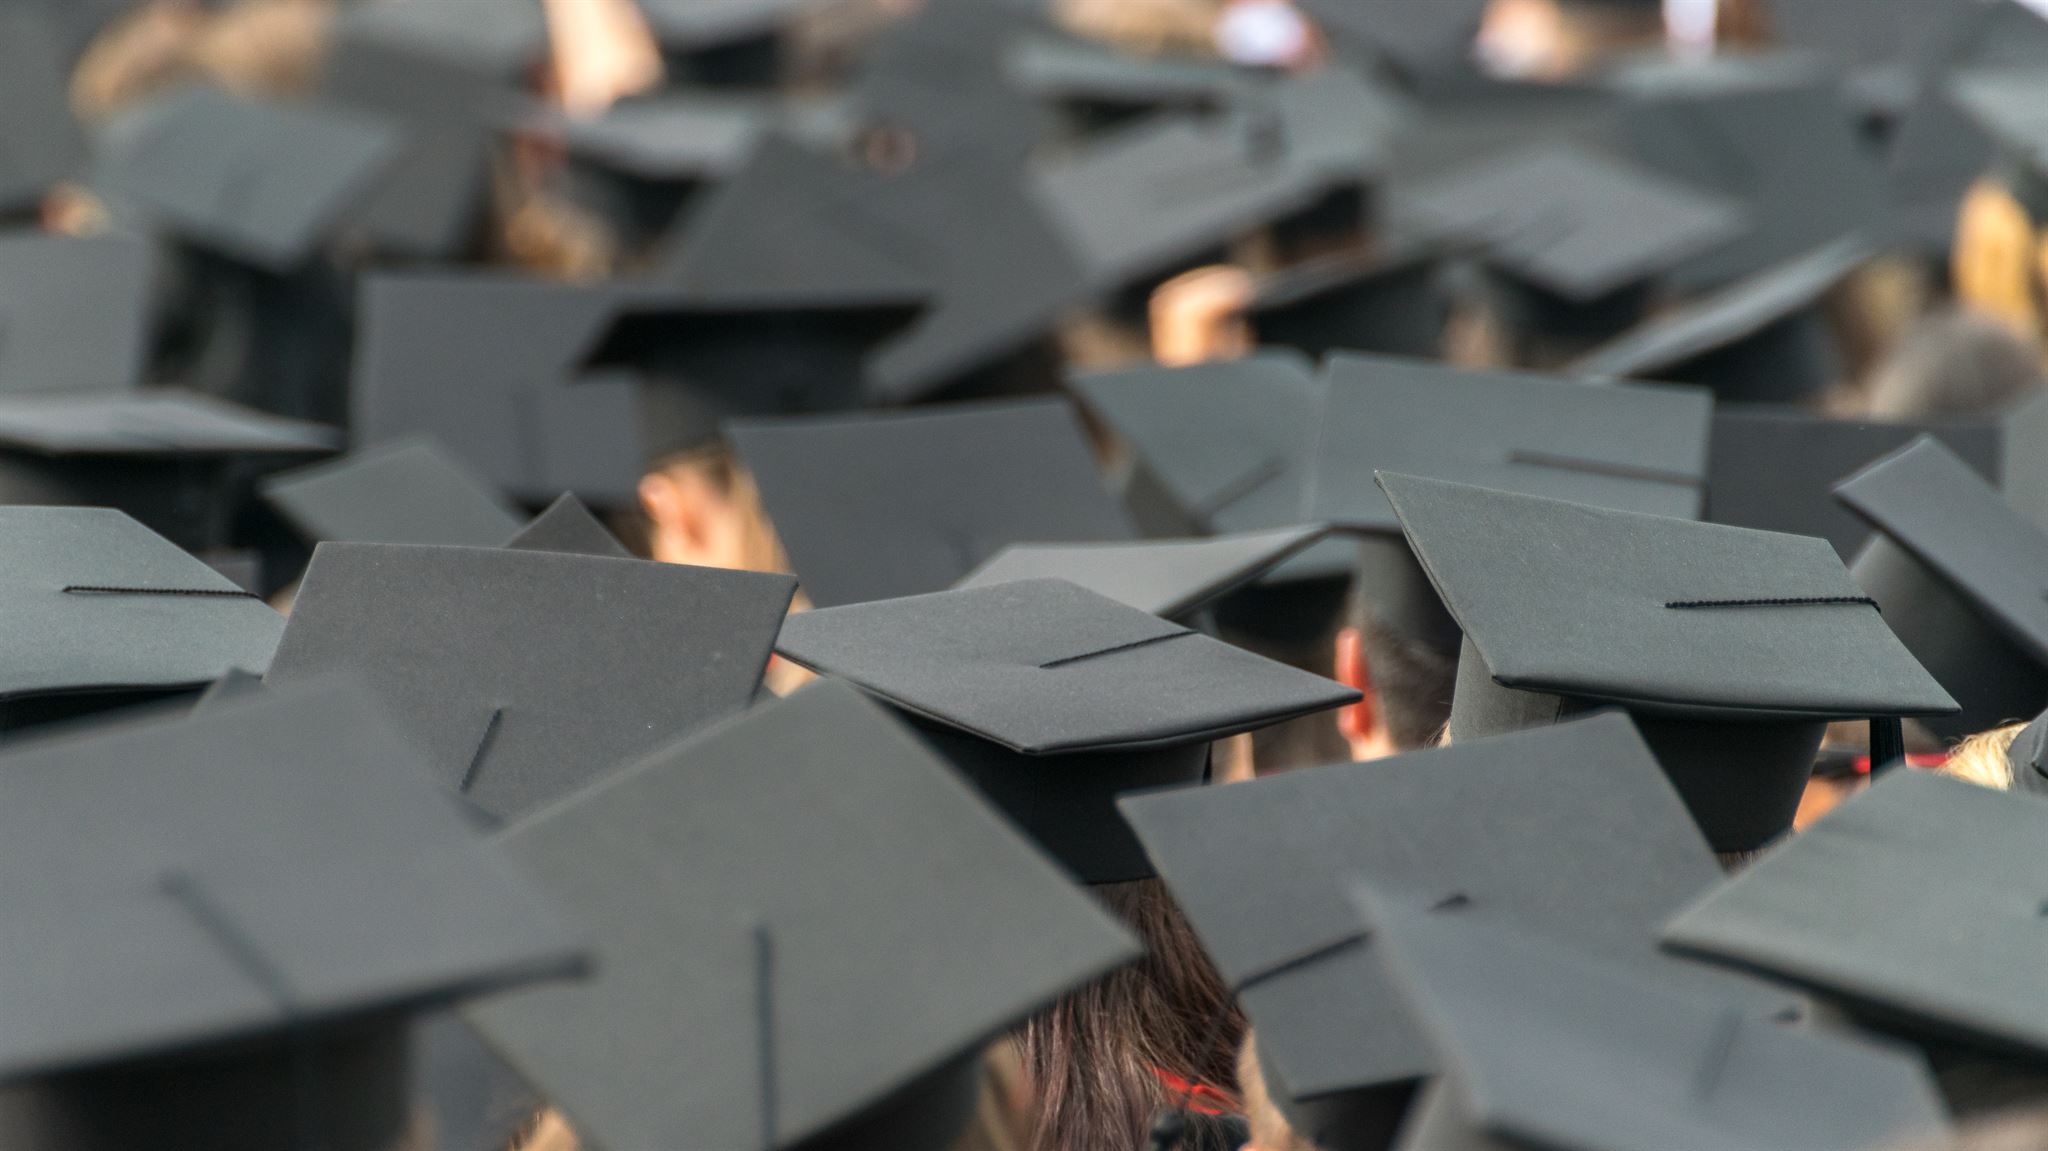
pixel 1221 447
pixel 939 76
pixel 106 612
pixel 1656 1063
pixel 228 946
pixel 74 313
pixel 173 460
pixel 525 674
pixel 1642 449
pixel 1774 468
pixel 264 185
pixel 1099 87
pixel 702 359
pixel 876 506
pixel 1954 569
pixel 1172 191
pixel 1575 240
pixel 752 992
pixel 1422 41
pixel 2005 103
pixel 1914 904
pixel 1762 339
pixel 642 162
pixel 1054 700
pixel 723 43
pixel 443 79
pixel 1570 832
pixel 406 492
pixel 473 1098
pixel 1768 131
pixel 490 366
pixel 1732 649
pixel 1170 578
pixel 1388 301
pixel 568 526
pixel 40 143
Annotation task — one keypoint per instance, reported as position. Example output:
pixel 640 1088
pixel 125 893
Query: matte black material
pixel 404 492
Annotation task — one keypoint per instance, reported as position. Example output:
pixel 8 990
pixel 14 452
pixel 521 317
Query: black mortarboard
pixel 1769 132
pixel 443 89
pixel 1390 302
pixel 1100 87
pixel 1575 239
pixel 489 366
pixel 1423 41
pixel 1652 1063
pixel 1774 468
pixel 1732 649
pixel 1760 339
pixel 568 526
pixel 642 162
pixel 937 77
pixel 1171 578
pixel 73 313
pixel 524 674
pixel 2006 104
pixel 703 360
pixel 405 492
pixel 473 1099
pixel 1956 571
pixel 1569 831
pixel 40 143
pixel 1916 904
pixel 1221 447
pixel 174 460
pixel 1173 191
pixel 1642 449
pixel 723 43
pixel 104 612
pixel 265 185
pixel 873 507
pixel 224 950
pixel 753 992
pixel 1054 700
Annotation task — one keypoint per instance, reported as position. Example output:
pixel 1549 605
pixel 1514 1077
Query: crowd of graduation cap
pixel 1557 477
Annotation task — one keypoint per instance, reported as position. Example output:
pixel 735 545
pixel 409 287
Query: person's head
pixel 1954 363
pixel 1103 1059
pixel 1407 684
pixel 1269 1127
pixel 702 508
pixel 1981 759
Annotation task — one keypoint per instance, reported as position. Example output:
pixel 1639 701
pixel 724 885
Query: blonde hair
pixel 1001 1122
pixel 1270 1129
pixel 1982 758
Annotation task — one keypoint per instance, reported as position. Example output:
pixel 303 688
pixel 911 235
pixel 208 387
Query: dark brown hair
pixel 1096 1056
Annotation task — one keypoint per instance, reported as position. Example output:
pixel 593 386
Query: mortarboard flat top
pixel 1172 187
pixel 1931 504
pixel 1574 222
pixel 1043 667
pixel 1640 449
pixel 1424 40
pixel 1169 578
pixel 1654 1063
pixel 527 674
pixel 1057 68
pixel 504 38
pixel 878 506
pixel 264 874
pixel 669 139
pixel 1667 615
pixel 2007 103
pixel 101 603
pixel 568 526
pixel 157 422
pixel 40 143
pixel 1824 910
pixel 261 183
pixel 489 365
pixel 1570 832
pixel 1714 322
pixel 1227 444
pixel 408 492
pixel 724 895
pixel 74 312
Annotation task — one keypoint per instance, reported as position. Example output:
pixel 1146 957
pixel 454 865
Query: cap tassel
pixel 1887 744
